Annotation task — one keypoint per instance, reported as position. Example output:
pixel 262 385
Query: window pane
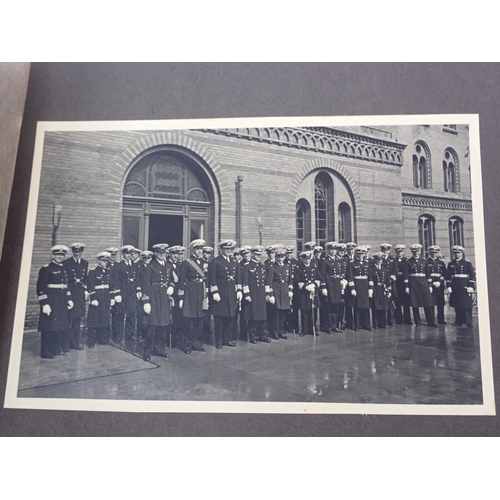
pixel 131 227
pixel 197 229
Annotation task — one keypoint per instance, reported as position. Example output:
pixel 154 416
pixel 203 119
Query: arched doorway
pixel 167 198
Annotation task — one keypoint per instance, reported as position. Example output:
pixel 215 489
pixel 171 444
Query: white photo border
pixel 486 408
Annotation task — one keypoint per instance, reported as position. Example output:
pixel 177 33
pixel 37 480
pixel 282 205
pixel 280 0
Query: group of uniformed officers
pixel 161 298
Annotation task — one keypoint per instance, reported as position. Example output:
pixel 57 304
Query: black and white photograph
pixel 255 265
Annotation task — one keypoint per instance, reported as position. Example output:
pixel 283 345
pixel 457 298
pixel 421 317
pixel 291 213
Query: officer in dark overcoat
pixel 125 272
pixel 245 260
pixel 145 258
pixel 437 267
pixel 360 282
pixel 157 293
pixel 307 282
pixel 114 285
pixel 381 290
pixel 292 321
pixel 461 281
pixel 282 289
pixel 271 308
pixel 77 269
pixel 208 255
pixel 256 293
pixel 98 318
pixel 55 301
pixel 418 281
pixel 400 297
pixel 193 296
pixel 389 262
pixel 348 299
pixel 225 293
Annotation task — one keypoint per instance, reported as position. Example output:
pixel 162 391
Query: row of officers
pixel 159 295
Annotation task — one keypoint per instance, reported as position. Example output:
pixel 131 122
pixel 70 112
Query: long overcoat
pixel 437 268
pixel 98 288
pixel 192 288
pixel 381 285
pixel 307 275
pixel 256 285
pixel 460 275
pixel 335 272
pixel 52 289
pixel 224 278
pixel 77 283
pixel 156 280
pixel 417 277
pixel 359 277
pixel 282 284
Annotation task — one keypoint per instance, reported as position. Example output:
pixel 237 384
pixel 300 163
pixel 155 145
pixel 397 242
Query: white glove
pixel 248 298
pixel 353 293
pixel 310 288
pixel 301 285
pixel 430 289
pixel 170 290
pixel 46 309
pixel 290 295
pixel 343 283
pixel 181 303
pixel 70 304
pixel 94 303
pixel 147 308
pixel 324 292
pixel 216 297
pixel 389 295
pixel 470 290
pixel 239 296
pixel 370 294
pixel 118 299
pixel 436 284
pixel 112 302
pixel 139 295
pixel 87 295
pixel 407 290
pixel 449 290
pixel 272 300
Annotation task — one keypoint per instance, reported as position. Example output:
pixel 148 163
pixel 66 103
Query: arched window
pixel 303 218
pixel 421 160
pixel 456 232
pixel 323 203
pixel 450 171
pixel 426 232
pixel 345 223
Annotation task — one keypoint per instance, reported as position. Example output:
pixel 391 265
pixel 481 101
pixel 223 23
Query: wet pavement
pixel 401 365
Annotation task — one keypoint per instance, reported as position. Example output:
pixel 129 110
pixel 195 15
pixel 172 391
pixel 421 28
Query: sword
pixel 313 307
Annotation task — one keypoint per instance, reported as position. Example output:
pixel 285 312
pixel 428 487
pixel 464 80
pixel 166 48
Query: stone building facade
pixel 267 185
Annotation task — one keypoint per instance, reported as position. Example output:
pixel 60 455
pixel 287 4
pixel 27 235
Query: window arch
pixel 421 161
pixel 345 223
pixel 450 171
pixel 323 208
pixel 303 223
pixel 426 232
pixel 456 232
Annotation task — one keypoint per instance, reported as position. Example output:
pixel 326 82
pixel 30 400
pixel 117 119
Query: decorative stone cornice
pixel 411 200
pixel 325 140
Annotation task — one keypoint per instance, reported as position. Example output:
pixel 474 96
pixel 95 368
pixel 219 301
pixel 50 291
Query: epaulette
pixel 46 265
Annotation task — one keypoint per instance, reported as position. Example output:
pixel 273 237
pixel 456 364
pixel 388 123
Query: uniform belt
pixel 418 275
pixel 436 275
pixel 57 286
pixel 400 274
pixel 159 284
pixel 360 277
pixel 78 280
pixel 101 287
pixel 335 276
pixel 460 276
pixel 131 280
pixel 198 280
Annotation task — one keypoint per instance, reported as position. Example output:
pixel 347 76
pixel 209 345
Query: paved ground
pixel 400 365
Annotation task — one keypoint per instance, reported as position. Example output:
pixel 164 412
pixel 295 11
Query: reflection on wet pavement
pixel 401 365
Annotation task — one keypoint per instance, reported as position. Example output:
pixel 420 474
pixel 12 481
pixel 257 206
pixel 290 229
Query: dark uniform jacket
pixel 192 288
pixel 307 275
pixel 77 283
pixel 417 278
pixel 224 278
pixel 359 277
pixel 348 298
pixel 381 287
pixel 123 277
pixel 156 280
pixel 282 284
pixel 335 273
pixel 98 288
pixel 52 289
pixel 460 275
pixel 437 268
pixel 256 285
pixel 400 296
